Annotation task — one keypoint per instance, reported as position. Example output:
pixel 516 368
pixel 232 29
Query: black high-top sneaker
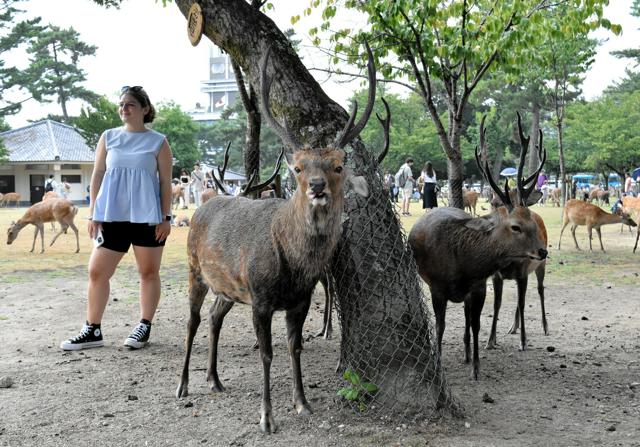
pixel 89 337
pixel 139 337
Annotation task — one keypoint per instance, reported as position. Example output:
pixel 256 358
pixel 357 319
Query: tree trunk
pixel 533 143
pixel 563 185
pixel 385 327
pixel 454 163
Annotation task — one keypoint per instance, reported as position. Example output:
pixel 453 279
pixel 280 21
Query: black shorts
pixel 119 236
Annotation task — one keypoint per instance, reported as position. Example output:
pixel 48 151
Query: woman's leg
pixel 102 265
pixel 148 261
pixel 185 196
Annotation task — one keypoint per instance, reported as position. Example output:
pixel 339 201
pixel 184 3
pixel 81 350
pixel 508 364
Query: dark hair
pixel 409 160
pixel 142 97
pixel 428 168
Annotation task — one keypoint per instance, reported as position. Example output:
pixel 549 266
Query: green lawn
pixel 617 263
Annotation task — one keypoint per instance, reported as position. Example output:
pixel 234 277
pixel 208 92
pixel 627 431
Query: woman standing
pixel 428 177
pixel 130 203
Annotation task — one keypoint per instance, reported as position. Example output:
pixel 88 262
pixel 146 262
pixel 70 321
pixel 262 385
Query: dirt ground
pixel 585 392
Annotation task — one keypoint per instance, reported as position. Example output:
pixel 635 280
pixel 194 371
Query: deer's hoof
pixel 303 409
pixel 216 387
pixel 182 391
pixel 475 372
pixel 491 344
pixel 268 424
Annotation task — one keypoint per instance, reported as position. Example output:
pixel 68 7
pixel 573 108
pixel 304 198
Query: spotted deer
pixel 271 253
pixel 456 253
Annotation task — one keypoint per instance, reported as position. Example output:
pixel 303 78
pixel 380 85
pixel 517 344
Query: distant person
pixel 197 184
pixel 130 204
pixel 542 180
pixel 429 194
pixel 628 185
pixel 50 184
pixel 66 188
pixel 405 181
pixel 185 181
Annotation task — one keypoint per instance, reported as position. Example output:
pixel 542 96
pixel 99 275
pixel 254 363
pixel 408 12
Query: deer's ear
pixel 484 224
pixel 533 198
pixel 358 184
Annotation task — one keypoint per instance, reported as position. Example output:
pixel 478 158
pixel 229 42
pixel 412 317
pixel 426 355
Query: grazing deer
pixel 554 196
pixel 176 193
pixel 582 213
pixel 271 253
pixel 47 196
pixel 11 197
pixel 60 210
pixel 600 196
pixel 456 253
pixel 470 200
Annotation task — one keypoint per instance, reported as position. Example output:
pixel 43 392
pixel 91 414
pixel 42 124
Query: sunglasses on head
pixel 128 88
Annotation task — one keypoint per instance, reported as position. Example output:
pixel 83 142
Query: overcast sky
pixel 145 44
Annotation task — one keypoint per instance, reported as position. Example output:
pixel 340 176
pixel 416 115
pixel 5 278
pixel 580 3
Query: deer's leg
pixel 476 303
pixel 540 273
pixel 599 238
pixel 295 320
pixel 564 225
pixel 35 236
pixel 217 312
pixel 590 234
pixel 197 291
pixel 497 302
pixel 573 233
pixel 75 230
pixel 522 293
pixel 467 331
pixel 63 227
pixel 262 326
pixel 637 236
pixel 439 310
pixel 327 328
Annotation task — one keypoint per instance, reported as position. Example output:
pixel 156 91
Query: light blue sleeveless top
pixel 130 190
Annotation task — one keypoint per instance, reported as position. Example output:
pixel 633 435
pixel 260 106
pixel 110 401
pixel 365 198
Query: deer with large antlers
pixel 521 269
pixel 271 253
pixel 456 253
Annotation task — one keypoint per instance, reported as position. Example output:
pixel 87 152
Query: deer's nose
pixel 543 253
pixel 317 185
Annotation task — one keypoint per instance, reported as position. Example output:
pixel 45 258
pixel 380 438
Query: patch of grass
pixel 3 317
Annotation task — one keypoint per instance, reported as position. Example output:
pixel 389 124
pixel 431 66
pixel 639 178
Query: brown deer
pixel 631 206
pixel 600 196
pixel 208 193
pixel 271 253
pixel 456 253
pixel 470 200
pixel 176 193
pixel 519 270
pixel 11 197
pixel 554 196
pixel 60 210
pixel 48 196
pixel 578 213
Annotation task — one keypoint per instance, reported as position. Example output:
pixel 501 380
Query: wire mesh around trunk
pixel 385 325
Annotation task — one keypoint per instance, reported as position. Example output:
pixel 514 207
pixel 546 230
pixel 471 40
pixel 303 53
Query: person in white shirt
pixel 428 178
pixel 407 188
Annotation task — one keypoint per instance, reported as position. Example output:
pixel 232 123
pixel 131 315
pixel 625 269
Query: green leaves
pixel 357 391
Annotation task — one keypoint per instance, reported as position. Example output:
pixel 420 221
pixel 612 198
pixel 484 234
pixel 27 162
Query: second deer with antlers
pixel 270 253
pixel 456 253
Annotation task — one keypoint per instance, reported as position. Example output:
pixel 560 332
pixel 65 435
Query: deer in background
pixel 456 253
pixel 59 210
pixel 11 197
pixel 520 269
pixel 470 200
pixel 176 193
pixel 631 206
pixel 579 213
pixel 271 253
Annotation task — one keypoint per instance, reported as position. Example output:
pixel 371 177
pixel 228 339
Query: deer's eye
pixel 516 228
pixel 338 169
pixel 297 170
